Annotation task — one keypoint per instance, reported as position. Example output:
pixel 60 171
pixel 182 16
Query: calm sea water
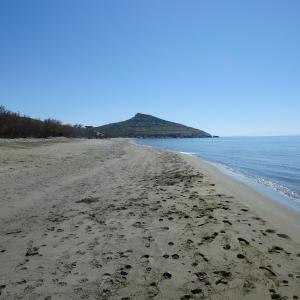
pixel 270 164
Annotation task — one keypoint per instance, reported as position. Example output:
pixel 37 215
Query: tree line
pixel 14 125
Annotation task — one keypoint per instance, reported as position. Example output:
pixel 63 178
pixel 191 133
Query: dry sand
pixel 107 219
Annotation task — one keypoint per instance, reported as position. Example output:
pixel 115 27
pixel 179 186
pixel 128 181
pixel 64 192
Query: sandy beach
pixel 108 219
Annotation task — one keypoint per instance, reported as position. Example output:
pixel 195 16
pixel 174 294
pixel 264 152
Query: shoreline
pixel 281 216
pixel 265 190
pixel 111 220
pixel 282 191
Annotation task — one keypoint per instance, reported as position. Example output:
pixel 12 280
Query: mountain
pixel 143 126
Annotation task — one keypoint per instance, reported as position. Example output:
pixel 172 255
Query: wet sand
pixel 107 219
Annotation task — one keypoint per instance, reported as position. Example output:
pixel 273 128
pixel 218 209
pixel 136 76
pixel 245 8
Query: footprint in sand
pixel 196 291
pixel 284 236
pixel 227 222
pixel 186 297
pixel 243 241
pixel 167 275
pixel 275 249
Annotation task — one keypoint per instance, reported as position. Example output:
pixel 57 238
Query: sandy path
pixel 107 219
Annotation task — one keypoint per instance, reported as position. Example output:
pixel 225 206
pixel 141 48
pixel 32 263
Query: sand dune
pixel 107 219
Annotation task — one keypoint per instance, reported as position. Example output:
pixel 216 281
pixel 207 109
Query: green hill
pixel 143 126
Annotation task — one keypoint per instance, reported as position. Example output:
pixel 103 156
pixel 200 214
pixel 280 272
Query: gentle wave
pixel 279 188
pixel 187 153
pixel 283 190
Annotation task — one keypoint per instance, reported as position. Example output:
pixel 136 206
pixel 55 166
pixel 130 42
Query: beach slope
pixel 108 219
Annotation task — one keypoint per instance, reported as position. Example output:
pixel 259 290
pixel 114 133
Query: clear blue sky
pixel 227 67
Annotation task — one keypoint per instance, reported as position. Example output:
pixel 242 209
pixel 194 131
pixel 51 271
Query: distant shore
pixel 108 219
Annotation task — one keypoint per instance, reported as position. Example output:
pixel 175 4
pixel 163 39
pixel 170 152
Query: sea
pixel 271 165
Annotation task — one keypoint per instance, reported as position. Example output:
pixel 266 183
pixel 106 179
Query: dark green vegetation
pixel 13 125
pixel 148 126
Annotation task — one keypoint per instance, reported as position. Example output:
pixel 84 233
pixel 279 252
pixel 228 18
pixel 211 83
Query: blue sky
pixel 227 67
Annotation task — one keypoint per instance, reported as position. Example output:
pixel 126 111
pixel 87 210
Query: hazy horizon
pixel 229 68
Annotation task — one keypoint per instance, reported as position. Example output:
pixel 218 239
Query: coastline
pixel 265 164
pixel 109 219
pixel 281 216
